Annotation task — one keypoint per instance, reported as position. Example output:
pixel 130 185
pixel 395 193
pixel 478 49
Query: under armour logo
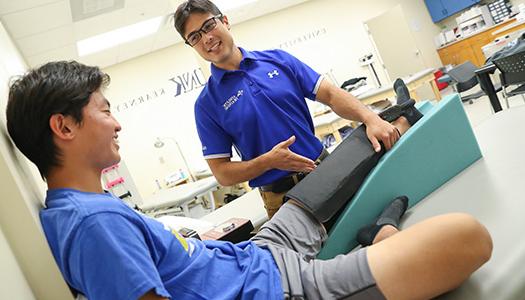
pixel 273 73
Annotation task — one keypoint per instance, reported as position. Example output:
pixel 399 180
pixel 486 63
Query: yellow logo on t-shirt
pixel 182 240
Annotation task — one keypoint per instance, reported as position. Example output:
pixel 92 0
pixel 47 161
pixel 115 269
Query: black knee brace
pixel 334 182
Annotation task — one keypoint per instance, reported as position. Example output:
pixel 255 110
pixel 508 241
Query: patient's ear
pixel 63 127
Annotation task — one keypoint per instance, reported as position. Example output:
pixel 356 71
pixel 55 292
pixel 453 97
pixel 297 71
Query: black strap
pixel 405 109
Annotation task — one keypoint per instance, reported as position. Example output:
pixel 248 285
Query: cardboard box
pixel 234 230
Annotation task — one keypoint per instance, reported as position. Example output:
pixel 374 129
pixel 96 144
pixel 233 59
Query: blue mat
pixel 434 150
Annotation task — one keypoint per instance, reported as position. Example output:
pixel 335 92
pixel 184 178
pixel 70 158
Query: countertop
pixel 483 30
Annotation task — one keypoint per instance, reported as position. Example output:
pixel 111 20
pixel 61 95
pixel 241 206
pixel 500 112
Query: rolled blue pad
pixel 438 147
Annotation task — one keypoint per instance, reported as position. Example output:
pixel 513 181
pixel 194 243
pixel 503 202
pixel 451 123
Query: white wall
pixel 344 39
pixel 28 268
pixel 13 284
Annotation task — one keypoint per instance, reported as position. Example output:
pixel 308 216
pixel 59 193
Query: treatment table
pixel 445 170
pixel 180 196
pixel 330 122
pixel 493 191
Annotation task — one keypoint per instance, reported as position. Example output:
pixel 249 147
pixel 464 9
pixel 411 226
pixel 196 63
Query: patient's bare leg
pixel 385 232
pixel 430 257
pixel 401 124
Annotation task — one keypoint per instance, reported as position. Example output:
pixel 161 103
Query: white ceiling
pixel 43 30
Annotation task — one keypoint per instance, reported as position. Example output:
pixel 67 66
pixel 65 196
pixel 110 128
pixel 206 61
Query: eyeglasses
pixel 208 25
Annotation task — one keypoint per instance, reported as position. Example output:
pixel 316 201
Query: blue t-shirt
pixel 258 106
pixel 106 250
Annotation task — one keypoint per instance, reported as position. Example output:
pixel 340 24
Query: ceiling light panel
pixel 118 36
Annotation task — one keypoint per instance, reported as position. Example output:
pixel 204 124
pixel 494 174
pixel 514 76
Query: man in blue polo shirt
pixel 255 102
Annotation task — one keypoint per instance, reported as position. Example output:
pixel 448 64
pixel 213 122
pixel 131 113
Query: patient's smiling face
pixel 97 135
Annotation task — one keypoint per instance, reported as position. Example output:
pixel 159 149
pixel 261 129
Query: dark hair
pixel 187 8
pixel 54 88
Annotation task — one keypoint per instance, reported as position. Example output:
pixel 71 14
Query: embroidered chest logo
pixel 273 73
pixel 231 101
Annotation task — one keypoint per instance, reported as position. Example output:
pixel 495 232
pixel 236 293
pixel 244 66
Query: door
pixel 395 44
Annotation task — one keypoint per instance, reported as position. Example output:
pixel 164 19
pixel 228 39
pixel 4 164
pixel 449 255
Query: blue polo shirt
pixel 258 106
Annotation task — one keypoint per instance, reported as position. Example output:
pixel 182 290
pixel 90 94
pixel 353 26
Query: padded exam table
pixel 180 196
pixel 413 82
pixel 454 173
pixel 492 190
pixel 330 122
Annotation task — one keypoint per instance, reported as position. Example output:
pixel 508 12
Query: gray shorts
pixel 294 237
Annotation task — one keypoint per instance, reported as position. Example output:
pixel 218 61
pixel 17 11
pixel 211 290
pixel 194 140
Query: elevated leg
pixel 427 156
pixel 429 258
pixel 328 188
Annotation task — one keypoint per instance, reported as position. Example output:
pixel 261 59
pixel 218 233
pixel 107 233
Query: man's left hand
pixel 379 130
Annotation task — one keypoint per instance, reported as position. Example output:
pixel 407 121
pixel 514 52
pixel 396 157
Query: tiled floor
pixel 481 109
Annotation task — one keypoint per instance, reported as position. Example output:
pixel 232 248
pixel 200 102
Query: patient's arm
pixel 152 296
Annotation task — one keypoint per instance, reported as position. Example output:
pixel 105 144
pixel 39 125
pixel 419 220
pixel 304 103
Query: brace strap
pixel 405 109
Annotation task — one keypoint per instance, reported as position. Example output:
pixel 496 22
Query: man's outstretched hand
pixel 281 157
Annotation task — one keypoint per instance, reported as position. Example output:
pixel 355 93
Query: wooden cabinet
pixel 470 48
pixel 478 41
pixel 456 53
